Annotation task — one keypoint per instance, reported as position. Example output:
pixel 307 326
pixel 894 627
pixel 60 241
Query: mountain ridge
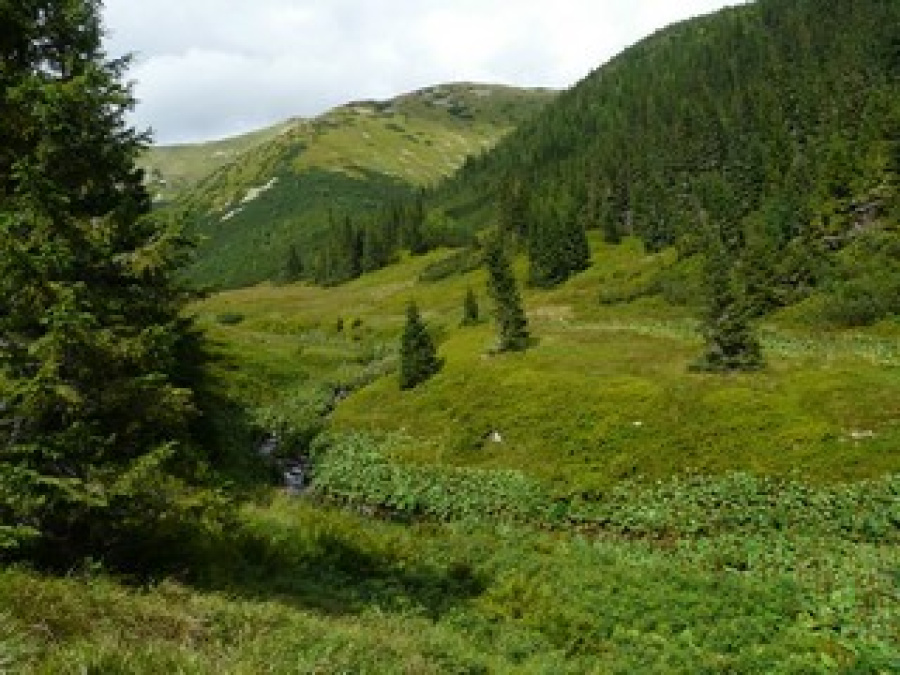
pixel 349 161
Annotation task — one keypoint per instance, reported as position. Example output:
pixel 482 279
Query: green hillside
pixel 587 506
pixel 174 169
pixel 591 503
pixel 352 160
pixel 620 373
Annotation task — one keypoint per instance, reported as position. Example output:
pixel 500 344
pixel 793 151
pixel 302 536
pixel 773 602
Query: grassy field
pixel 827 406
pixel 632 518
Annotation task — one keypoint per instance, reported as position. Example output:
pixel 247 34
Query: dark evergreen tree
pixel 731 344
pixel 557 244
pixel 414 227
pixel 293 266
pixel 95 407
pixel 349 250
pixel 470 309
pixel 512 325
pixel 513 208
pixel 376 250
pixel 418 356
pixel 577 251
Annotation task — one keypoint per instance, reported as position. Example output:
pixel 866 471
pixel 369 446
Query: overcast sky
pixel 207 69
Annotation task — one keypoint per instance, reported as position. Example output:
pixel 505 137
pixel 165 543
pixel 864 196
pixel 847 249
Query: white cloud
pixel 209 68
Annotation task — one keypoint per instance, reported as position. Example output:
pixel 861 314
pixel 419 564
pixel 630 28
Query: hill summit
pixel 283 186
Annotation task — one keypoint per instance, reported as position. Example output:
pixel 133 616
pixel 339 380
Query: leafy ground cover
pixel 312 589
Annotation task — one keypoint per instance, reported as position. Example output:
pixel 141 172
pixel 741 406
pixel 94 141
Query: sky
pixel 206 69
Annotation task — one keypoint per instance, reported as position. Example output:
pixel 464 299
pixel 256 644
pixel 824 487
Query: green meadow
pixel 588 505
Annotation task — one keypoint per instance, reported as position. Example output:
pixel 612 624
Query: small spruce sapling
pixel 418 356
pixel 512 325
pixel 731 344
pixel 470 309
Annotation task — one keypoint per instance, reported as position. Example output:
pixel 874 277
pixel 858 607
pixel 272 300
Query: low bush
pixel 356 470
pixel 457 263
pixel 230 318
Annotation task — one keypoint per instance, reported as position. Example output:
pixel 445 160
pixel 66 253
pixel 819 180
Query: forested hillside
pixel 353 162
pixel 773 127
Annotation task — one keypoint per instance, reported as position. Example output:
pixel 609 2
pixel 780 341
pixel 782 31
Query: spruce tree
pixel 470 309
pixel 418 357
pixel 513 208
pixel 557 244
pixel 293 266
pixel 94 406
pixel 731 344
pixel 512 325
pixel 414 227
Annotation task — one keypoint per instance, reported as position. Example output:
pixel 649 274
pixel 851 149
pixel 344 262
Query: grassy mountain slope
pixel 605 532
pixel 589 505
pixel 539 553
pixel 620 373
pixel 350 161
pixel 174 169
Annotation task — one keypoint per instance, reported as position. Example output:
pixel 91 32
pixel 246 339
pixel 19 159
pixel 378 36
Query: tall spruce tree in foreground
pixel 418 357
pixel 94 409
pixel 512 325
pixel 731 344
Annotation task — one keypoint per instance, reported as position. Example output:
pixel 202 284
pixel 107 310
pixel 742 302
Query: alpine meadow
pixel 474 379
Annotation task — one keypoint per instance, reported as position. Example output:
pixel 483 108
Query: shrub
pixel 459 262
pixel 230 318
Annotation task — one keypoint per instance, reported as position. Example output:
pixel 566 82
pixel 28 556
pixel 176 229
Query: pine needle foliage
pixel 95 405
pixel 731 344
pixel 418 356
pixel 471 316
pixel 512 324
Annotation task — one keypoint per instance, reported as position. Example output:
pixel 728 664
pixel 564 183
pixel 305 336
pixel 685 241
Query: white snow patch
pixel 231 214
pixel 254 193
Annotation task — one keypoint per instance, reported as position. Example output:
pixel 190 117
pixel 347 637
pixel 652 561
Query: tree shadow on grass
pixel 333 574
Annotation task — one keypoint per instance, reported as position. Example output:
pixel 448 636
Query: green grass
pixel 318 590
pixel 747 524
pixel 605 394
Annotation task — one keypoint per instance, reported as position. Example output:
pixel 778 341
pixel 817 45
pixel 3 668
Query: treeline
pixel 355 245
pixel 771 127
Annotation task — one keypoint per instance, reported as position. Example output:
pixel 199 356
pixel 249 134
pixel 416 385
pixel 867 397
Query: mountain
pixel 774 126
pixel 287 190
pixel 174 169
pixel 594 504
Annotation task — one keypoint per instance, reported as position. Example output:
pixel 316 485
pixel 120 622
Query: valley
pixel 628 515
pixel 477 379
